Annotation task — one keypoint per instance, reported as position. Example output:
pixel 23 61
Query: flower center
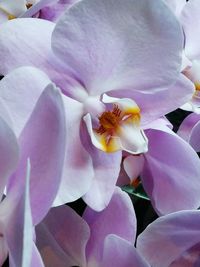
pixel 197 86
pixel 29 5
pixel 118 128
pixel 109 120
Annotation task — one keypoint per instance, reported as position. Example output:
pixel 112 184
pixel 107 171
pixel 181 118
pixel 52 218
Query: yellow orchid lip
pixel 118 128
pixel 111 124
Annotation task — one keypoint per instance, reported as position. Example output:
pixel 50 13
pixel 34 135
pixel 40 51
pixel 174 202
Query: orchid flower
pixel 172 240
pixel 18 213
pixel 99 239
pixel 107 89
pixel 169 171
pixel 188 16
pixel 46 9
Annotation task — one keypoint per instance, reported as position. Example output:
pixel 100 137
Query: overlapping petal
pixel 118 252
pixel 46 130
pixel 62 238
pixel 20 90
pixel 106 170
pixel 78 168
pixel 171 173
pixel 29 48
pixel 153 106
pixel 118 218
pixel 18 224
pixel 71 241
pixel 169 238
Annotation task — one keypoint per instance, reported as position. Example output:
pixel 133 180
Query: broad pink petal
pixel 21 44
pixel 171 174
pixel 169 237
pixel 20 90
pixel 43 141
pixel 78 168
pixel 120 253
pixel 118 218
pixel 190 130
pixel 62 238
pixel 191 25
pixel 106 53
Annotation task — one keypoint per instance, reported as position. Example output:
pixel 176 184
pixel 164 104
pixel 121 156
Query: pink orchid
pixel 107 89
pixel 172 240
pixel 169 171
pixel 99 239
pixel 19 213
pixel 46 9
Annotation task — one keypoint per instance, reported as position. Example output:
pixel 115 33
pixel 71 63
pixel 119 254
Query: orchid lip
pixel 118 128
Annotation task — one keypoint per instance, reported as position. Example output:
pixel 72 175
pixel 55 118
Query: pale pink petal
pixel 107 50
pixel 20 90
pixel 62 238
pixel 78 168
pixel 170 237
pixel 106 170
pixel 22 44
pixel 171 173
pixel 43 141
pixel 120 253
pixel 118 218
pixel 18 226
